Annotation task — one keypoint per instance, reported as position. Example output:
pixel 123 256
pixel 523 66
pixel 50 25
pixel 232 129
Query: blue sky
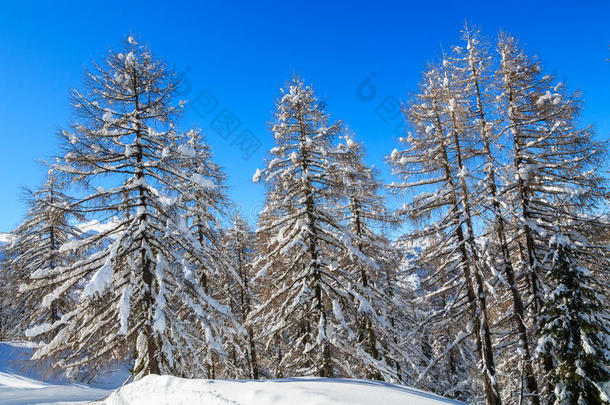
pixel 241 53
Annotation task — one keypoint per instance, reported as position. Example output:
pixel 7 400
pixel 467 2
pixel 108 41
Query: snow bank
pixel 161 390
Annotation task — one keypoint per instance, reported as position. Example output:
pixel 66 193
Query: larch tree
pixel 553 174
pixel 142 298
pixel 308 293
pixel 239 242
pixel 435 160
pixel 35 246
pixel 205 208
pixel 367 218
pixel 473 72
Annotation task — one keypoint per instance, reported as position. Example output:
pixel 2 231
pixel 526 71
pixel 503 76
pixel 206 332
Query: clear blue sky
pixel 242 52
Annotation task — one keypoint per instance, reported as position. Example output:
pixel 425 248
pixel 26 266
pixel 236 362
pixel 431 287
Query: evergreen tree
pixel 142 298
pixel 574 327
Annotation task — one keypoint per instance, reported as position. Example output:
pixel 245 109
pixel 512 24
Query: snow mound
pixel 161 390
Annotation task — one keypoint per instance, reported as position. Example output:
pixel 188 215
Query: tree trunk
pixel 475 292
pixel 531 385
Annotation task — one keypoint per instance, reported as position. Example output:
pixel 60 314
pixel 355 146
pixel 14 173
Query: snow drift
pixel 162 390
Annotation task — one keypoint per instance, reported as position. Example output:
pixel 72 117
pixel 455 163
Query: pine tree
pixel 34 248
pixel 574 327
pixel 142 299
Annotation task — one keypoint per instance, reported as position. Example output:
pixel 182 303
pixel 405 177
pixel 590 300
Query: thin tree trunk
pixel 327 368
pixel 147 276
pixel 476 297
pixel 530 247
pixel 531 384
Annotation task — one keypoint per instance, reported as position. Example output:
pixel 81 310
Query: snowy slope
pixel 19 386
pixel 161 390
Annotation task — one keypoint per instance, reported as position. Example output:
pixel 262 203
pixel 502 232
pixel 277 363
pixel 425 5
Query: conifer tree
pixel 309 292
pixel 142 298
pixel 553 170
pixel 435 160
pixel 473 73
pixel 239 242
pixel 367 218
pixel 205 207
pixel 35 246
pixel 574 327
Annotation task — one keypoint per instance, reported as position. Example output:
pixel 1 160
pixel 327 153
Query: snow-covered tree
pixel 443 363
pixel 308 293
pixel 436 160
pixel 205 206
pixel 553 167
pixel 142 297
pixel 35 246
pixel 472 71
pixel 367 218
pixel 239 243
pixel 575 327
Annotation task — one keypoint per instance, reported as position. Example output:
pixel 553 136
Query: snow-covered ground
pixel 158 390
pixel 21 384
pixel 18 387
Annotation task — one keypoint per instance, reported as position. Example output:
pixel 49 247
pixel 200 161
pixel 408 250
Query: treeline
pixel 499 294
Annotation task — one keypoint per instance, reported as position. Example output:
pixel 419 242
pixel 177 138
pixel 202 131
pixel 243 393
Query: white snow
pixel 100 279
pixel 21 383
pixel 202 181
pixel 17 390
pixel 6 237
pixel 19 387
pixel 257 176
pixel 96 226
pixel 157 390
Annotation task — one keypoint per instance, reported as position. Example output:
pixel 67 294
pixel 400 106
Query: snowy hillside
pixel 20 388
